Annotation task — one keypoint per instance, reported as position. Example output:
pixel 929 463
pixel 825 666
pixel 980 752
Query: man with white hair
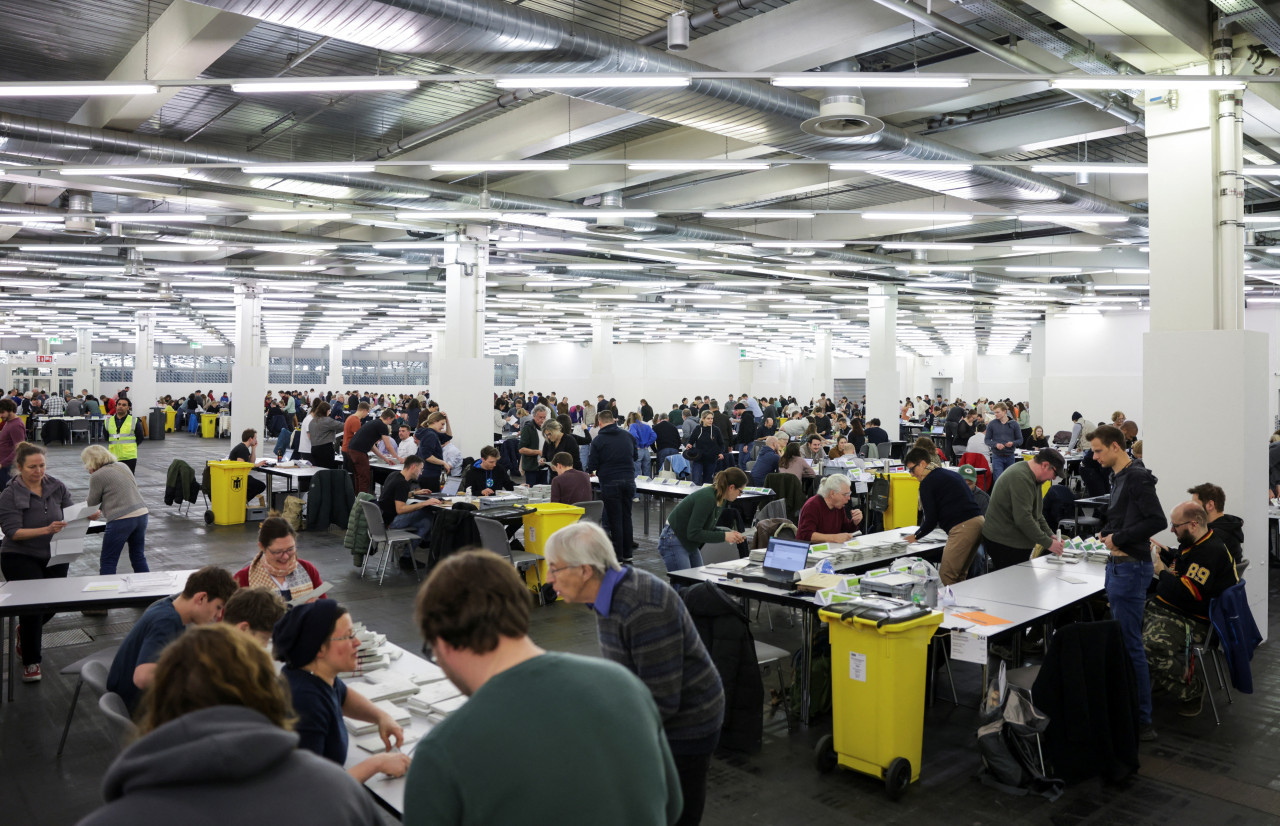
pixel 766 460
pixel 826 517
pixel 644 626
pixel 531 448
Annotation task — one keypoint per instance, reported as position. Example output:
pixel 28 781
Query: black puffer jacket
pixel 722 625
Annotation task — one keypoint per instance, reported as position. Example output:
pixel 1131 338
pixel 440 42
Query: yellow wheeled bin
pixel 546 519
pixel 208 424
pixel 169 414
pixel 229 481
pixel 879 656
pixel 904 501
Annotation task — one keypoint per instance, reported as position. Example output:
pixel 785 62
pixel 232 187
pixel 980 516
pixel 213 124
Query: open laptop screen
pixel 786 554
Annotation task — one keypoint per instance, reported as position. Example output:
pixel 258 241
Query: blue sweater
pixel 766 463
pixel 1008 433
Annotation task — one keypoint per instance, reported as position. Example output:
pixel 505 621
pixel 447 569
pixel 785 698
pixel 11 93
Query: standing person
pixel 375 435
pixel 215 685
pixel 947 503
pixel 322 431
pixel 317 642
pixel 1015 521
pixel 12 433
pixel 597 723
pixel 612 458
pixel 30 515
pixel 201 602
pixel 113 488
pixel 304 436
pixel 431 449
pixel 1133 516
pixel 350 425
pixel 1003 437
pixel 668 443
pixel 708 442
pixel 122 434
pixel 555 439
pixel 645 437
pixel 644 626
pixel 530 448
pixel 746 437
pixel 695 521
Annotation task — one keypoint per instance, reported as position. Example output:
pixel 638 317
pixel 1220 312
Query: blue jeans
pixel 642 464
pixel 703 471
pixel 1126 584
pixel 744 454
pixel 674 554
pixel 664 453
pixel 418 521
pixel 617 497
pixel 120 531
pixel 1000 463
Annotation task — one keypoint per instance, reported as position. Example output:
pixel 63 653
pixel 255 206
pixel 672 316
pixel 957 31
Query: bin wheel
pixel 208 517
pixel 824 755
pixel 897 778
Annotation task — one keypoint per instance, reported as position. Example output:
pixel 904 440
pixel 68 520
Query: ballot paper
pixel 68 543
pixel 314 593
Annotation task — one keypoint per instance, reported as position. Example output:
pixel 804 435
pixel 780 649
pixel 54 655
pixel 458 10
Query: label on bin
pixel 857 666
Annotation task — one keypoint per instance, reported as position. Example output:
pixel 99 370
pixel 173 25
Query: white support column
pixel 437 356
pixel 822 371
pixel 1035 381
pixel 86 373
pixel 461 377
pixel 602 375
pixel 882 372
pixel 969 381
pixel 250 363
pixel 142 390
pixel 333 381
pixel 1197 338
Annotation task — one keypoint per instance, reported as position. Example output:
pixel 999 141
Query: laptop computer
pixel 784 559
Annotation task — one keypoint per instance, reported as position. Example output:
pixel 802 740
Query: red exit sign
pixel 44 359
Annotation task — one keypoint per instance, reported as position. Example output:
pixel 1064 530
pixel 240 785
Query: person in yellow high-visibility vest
pixel 122 435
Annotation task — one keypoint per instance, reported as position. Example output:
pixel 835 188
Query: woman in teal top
pixel 693 522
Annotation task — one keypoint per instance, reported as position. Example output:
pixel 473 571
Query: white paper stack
pixel 429 696
pixel 428 674
pixel 383 685
pixel 373 744
pixel 359 727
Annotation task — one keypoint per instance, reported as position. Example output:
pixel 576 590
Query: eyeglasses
pixel 428 653
pixel 282 554
pixel 1177 525
pixel 554 571
pixel 350 636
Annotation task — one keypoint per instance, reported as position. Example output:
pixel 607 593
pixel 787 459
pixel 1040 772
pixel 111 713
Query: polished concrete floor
pixel 1195 772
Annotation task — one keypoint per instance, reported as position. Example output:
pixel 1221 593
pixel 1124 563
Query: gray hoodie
pixel 227 764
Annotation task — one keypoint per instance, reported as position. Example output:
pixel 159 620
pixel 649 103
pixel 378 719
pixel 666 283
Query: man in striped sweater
pixel 644 626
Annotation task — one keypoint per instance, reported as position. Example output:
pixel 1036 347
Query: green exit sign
pixel 195 345
pixel 55 340
pixel 742 353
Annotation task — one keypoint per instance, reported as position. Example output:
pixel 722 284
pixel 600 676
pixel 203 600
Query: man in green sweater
pixel 1015 521
pixel 592 721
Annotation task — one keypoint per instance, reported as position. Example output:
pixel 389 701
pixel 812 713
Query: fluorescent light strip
pixel 61 248
pixel 323 85
pixel 292 168
pixel 869 80
pixel 32 219
pixel 1045 269
pixel 300 215
pixel 568 81
pixel 445 215
pixel 604 213
pixel 1148 82
pixel 125 170
pixel 604 265
pixel 924 245
pixel 31 90
pixel 698 166
pixel 178 248
pixel 298 248
pixel 1091 168
pixel 782 214
pixel 933 268
pixel 500 166
pixel 808 245
pixel 157 217
pixel 1050 248
pixel 542 245
pixel 414 245
pixel 1260 219
pixel 1086 218
pixel 917 216
pixel 887 166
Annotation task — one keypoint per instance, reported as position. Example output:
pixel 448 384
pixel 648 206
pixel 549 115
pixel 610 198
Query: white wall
pixel 1093 364
pixel 1266 319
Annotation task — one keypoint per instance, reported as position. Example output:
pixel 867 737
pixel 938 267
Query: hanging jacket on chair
pixel 180 483
pixel 722 625
pixel 1238 633
pixel 330 500
pixel 451 530
pixel 356 539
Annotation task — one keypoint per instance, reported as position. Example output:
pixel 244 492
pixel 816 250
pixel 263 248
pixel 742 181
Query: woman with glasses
pixel 317 642
pixel 277 565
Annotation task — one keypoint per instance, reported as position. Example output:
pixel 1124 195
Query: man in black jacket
pixel 1134 516
pixel 613 459
pixel 668 443
pixel 1228 528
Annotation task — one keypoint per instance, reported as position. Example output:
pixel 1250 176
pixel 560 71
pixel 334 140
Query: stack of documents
pixel 438 698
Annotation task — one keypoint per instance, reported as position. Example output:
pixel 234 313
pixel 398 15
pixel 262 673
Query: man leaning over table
pixel 1015 521
pixel 826 517
pixel 946 502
